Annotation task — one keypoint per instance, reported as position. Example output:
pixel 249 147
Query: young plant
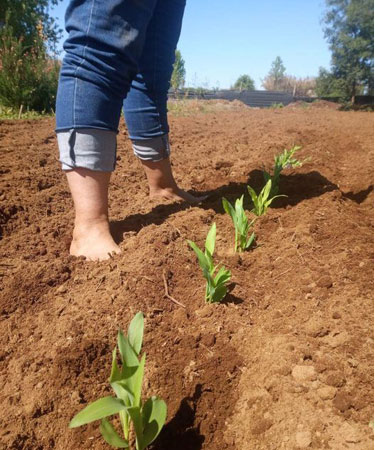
pixel 283 161
pixel 241 224
pixel 216 285
pixel 263 200
pixel 147 418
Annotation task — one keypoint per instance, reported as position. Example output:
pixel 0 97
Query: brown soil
pixel 284 363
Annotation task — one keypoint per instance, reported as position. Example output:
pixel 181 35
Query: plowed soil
pixel 284 363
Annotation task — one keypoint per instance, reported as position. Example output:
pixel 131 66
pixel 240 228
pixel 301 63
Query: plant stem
pixel 125 424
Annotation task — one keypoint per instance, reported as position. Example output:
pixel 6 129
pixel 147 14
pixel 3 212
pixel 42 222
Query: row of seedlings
pixel 145 419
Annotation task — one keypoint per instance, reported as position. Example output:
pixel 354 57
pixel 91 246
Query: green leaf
pixel 267 204
pixel 123 392
pixel 239 209
pixel 110 435
pixel 202 259
pixel 250 240
pixel 137 380
pixel 128 355
pixel 210 263
pixel 154 414
pixel 135 332
pixel 219 294
pixel 266 191
pixel 135 414
pixel 128 372
pixel 228 208
pixel 115 371
pixel 253 195
pixel 222 276
pixel 210 240
pixel 104 407
pixel 210 289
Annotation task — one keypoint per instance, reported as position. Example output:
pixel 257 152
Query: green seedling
pixel 283 161
pixel 145 419
pixel 241 224
pixel 263 200
pixel 216 285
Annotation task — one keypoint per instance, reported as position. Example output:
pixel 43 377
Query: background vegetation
pixel 28 62
pixel 29 66
pixel 244 82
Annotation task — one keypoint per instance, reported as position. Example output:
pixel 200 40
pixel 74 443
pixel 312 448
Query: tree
pixel 28 18
pixel 327 85
pixel 348 29
pixel 28 75
pixel 276 75
pixel 244 83
pixel 179 72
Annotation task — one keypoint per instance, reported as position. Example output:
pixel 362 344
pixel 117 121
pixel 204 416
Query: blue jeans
pixel 119 53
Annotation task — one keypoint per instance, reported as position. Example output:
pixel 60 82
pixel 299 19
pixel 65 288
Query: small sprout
pixel 216 285
pixel 263 200
pixel 241 224
pixel 283 161
pixel 147 419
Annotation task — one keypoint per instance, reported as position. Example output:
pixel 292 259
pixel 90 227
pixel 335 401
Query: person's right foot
pixel 177 195
pixel 93 241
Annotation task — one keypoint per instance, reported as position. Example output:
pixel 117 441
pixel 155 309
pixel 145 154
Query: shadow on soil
pixel 230 298
pixel 360 196
pixel 180 432
pixel 297 187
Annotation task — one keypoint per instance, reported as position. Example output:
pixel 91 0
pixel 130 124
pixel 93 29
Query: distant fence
pixel 260 99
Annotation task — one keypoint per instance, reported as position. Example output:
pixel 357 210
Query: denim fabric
pixel 145 107
pixel 118 53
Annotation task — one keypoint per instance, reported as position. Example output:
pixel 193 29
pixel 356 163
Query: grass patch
pixel 188 107
pixel 11 114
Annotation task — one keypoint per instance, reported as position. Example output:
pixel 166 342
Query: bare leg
pixel 162 183
pixel 91 235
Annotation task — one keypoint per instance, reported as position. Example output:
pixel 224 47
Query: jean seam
pixel 154 77
pixel 82 62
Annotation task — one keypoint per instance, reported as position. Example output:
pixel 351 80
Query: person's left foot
pixel 178 195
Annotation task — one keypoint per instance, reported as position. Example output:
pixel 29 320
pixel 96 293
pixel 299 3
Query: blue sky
pixel 223 39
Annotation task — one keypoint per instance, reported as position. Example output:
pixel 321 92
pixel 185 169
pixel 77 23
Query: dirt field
pixel 284 363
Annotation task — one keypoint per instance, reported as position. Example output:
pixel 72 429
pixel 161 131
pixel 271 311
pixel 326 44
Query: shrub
pixel 28 76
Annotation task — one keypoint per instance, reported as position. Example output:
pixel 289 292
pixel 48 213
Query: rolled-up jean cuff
pixel 88 148
pixel 153 149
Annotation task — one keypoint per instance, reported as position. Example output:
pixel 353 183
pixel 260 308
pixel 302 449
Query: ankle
pixel 88 225
pixel 156 190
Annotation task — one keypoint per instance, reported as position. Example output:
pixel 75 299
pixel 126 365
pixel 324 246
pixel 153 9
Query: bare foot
pixel 94 242
pixel 177 194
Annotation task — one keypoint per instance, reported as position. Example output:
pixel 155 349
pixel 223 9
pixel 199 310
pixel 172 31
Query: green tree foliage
pixel 275 78
pixel 327 85
pixel 244 83
pixel 25 18
pixel 28 74
pixel 349 28
pixel 28 77
pixel 179 72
